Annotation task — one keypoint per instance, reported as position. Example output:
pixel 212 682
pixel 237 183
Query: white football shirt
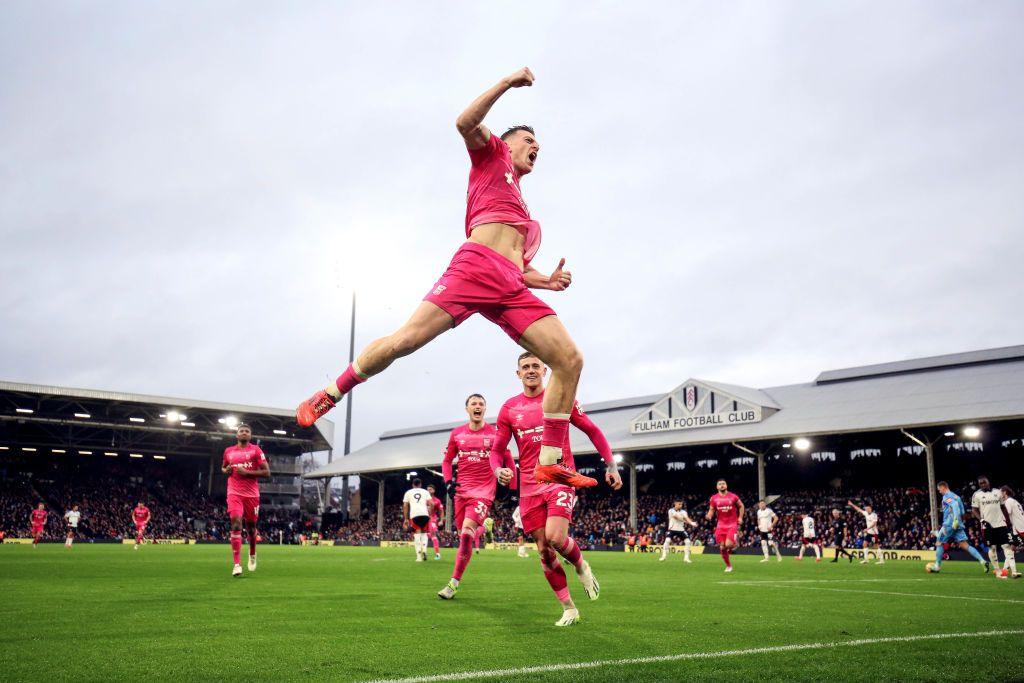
pixel 1016 515
pixel 72 518
pixel 676 520
pixel 990 506
pixel 871 520
pixel 808 527
pixel 764 519
pixel 417 500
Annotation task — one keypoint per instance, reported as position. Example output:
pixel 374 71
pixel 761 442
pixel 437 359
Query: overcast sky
pixel 745 192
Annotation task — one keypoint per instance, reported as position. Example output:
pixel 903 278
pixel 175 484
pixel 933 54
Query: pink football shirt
pixel 39 517
pixel 494 195
pixel 437 510
pixel 250 458
pixel 473 449
pixel 727 507
pixel 141 514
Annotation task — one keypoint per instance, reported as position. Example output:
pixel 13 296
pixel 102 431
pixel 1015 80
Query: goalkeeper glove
pixel 450 488
pixel 956 524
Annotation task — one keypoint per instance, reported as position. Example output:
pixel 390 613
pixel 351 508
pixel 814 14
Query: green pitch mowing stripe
pixel 107 612
pixel 802 647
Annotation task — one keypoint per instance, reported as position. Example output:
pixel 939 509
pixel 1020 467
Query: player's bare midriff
pixel 502 238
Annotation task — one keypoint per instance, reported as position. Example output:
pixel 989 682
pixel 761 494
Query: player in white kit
pixel 72 516
pixel 809 538
pixel 872 538
pixel 416 507
pixel 1014 512
pixel 517 520
pixel 677 531
pixel 766 521
pixel 987 506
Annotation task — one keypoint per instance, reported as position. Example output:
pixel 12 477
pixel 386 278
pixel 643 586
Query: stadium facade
pixel 58 422
pixel 915 411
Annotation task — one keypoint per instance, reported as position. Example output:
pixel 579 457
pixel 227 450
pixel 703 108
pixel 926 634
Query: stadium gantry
pixel 39 422
pixel 884 416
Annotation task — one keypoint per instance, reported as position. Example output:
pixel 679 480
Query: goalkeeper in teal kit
pixel 952 530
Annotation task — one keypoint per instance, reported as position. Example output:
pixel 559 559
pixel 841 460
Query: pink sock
pixel 571 552
pixel 236 546
pixel 556 431
pixel 348 380
pixel 464 555
pixel 252 544
pixel 555 575
pixel 437 546
pixel 725 556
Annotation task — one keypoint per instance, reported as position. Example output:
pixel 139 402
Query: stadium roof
pixel 36 416
pixel 979 386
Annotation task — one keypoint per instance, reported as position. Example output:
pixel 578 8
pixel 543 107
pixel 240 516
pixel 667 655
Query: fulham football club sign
pixel 696 404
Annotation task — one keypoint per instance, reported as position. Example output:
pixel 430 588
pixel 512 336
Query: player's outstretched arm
pixel 558 281
pixel 854 506
pixel 471 122
pixel 449 457
pixel 582 421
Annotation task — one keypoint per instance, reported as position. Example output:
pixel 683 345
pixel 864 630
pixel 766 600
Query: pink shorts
pixel 476 509
pixel 141 527
pixel 432 528
pixel 558 501
pixel 247 507
pixel 36 530
pixel 723 534
pixel 480 280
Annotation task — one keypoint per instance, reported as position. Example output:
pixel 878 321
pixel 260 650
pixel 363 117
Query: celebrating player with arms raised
pixel 38 521
pixel 474 487
pixel 872 537
pixel 546 508
pixel 729 509
pixel 244 463
pixel 491 275
pixel 140 515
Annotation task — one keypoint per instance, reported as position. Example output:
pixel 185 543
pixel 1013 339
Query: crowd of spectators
pixel 603 519
pixel 107 495
pixel 182 508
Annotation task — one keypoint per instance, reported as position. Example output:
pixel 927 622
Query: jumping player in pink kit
pixel 491 275
pixel 244 463
pixel 38 521
pixel 436 513
pixel 140 515
pixel 475 485
pixel 546 509
pixel 729 509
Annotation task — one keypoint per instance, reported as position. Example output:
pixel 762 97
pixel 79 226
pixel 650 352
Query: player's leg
pixel 665 547
pixel 548 338
pixel 468 518
pixel 865 547
pixel 686 549
pixel 522 544
pixel 878 550
pixel 556 578
pixel 426 323
pixel 1009 559
pixel 556 533
pixel 764 548
pixel 236 513
pixel 803 546
pixel 817 551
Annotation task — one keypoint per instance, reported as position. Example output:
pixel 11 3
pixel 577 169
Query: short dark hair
pixel 243 425
pixel 942 483
pixel 479 396
pixel 1007 490
pixel 513 129
pixel 526 354
pixel 416 482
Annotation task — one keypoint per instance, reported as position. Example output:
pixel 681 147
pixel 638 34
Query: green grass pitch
pixel 106 612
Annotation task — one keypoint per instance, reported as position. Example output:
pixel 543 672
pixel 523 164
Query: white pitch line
pixel 769 582
pixel 547 668
pixel 909 595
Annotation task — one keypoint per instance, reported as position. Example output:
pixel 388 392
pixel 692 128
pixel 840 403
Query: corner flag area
pixel 368 614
